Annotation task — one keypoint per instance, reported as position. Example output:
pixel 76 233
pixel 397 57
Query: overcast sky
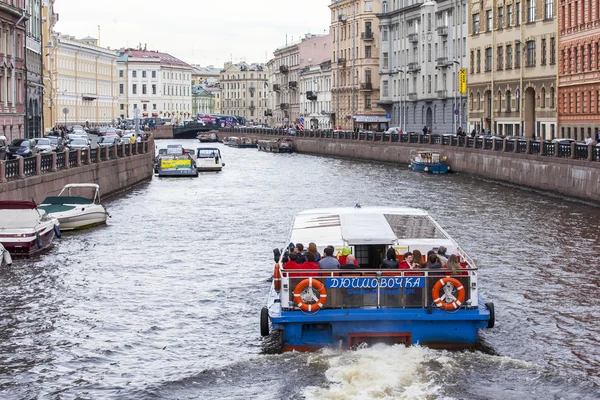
pixel 196 31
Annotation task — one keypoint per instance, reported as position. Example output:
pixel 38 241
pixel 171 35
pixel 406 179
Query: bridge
pixel 191 130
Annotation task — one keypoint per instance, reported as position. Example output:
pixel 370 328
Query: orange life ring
pixel 276 277
pixel 442 303
pixel 310 282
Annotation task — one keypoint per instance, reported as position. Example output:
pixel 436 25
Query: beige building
pixel 285 95
pixel 83 82
pixel 244 91
pixel 512 67
pixel 49 20
pixel 355 65
pixel 203 74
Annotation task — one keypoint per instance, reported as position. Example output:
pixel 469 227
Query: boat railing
pixel 376 288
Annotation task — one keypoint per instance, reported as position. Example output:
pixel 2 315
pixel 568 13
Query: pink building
pixel 314 50
pixel 12 71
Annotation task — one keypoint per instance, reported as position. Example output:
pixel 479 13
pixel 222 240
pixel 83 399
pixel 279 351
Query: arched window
pixel 470 103
pixel 422 114
pixel 518 100
pixel 543 98
pixel 384 7
pixel 444 109
pixel 478 101
pixel 499 101
pixel 508 100
pixel 435 114
pixel 552 100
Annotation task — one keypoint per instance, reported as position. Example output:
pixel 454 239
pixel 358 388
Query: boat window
pixel 413 227
pixel 370 256
pixel 208 153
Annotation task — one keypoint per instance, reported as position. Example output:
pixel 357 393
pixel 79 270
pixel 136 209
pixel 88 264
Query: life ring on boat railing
pixel 38 240
pixel 57 231
pixel 448 301
pixel 276 277
pixel 319 302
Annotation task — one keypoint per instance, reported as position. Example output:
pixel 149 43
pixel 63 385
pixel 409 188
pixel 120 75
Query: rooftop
pixel 164 58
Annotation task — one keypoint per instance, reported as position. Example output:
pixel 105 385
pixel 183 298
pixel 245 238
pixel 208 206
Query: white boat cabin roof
pixel 351 226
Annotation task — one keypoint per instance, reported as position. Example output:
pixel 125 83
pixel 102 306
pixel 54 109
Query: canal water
pixel 163 303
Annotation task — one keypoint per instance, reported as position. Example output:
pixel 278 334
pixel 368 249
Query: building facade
pixel 286 96
pixel 578 69
pixel 85 82
pixel 156 83
pixel 423 47
pixel 512 76
pixel 202 74
pixel 203 102
pixel 49 41
pixel 12 72
pixel 244 91
pixel 355 65
pixel 34 77
pixel 315 82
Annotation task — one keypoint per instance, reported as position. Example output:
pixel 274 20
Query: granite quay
pixel 114 168
pixel 567 169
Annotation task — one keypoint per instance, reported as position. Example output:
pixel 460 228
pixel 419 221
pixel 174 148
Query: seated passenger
pixel 301 253
pixel 390 262
pixel 350 263
pixel 417 259
pixel 292 264
pixel 433 262
pixel 408 261
pixel 345 253
pixel 329 261
pixel 312 248
pixel 454 265
pixel 442 256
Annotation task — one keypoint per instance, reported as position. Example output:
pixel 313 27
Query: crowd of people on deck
pixel 297 257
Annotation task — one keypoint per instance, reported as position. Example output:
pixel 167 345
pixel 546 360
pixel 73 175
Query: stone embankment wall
pixel 111 171
pixel 163 132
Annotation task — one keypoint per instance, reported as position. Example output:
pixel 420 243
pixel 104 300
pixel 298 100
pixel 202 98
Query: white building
pixel 156 83
pixel 315 104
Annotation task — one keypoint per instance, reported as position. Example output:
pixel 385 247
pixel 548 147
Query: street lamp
pixel 454 115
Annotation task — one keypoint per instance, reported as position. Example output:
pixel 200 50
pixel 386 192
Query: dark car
pixel 3 148
pixel 21 148
pixel 78 143
pixel 106 141
pixel 57 143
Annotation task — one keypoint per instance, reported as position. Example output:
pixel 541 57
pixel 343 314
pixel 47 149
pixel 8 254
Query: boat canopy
pixel 17 205
pixel 19 219
pixel 82 185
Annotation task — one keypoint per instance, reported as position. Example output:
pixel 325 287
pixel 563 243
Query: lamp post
pixel 454 85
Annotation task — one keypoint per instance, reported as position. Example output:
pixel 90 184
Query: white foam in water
pixel 381 372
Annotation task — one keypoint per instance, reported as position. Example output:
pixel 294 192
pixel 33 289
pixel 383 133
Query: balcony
pixel 413 37
pixel 277 87
pixel 342 62
pixel 310 95
pixel 252 107
pixel 442 94
pixel 366 86
pixel 367 36
pixel 284 106
pixel 441 62
pixel 414 67
pixel 342 18
pixel 293 85
pixel 268 113
pixel 442 30
pixel 252 88
pixel 284 69
pixel 412 96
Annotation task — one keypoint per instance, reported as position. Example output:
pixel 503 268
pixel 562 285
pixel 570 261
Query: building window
pixel 553 51
pixel 367 101
pixel 509 59
pixel 472 61
pixel 500 17
pixel 145 107
pixel 543 51
pixel 384 7
pixel 120 73
pixel 385 60
pixel 429 52
pixel 143 89
pixel 517 55
pixel 549 9
pixel 518 101
pixel 500 57
pixel 153 89
pixel 429 84
pixel 552 104
pixel 385 89
pixel 134 74
pixel 384 35
pixel 488 25
pixel 509 15
pixel 154 106
pixel 488 59
pixel 508 100
pixel 121 88
pixel 518 15
pixel 135 106
pixel 531 53
pixel 475 24
pixel 134 89
pixel 368 5
pixel 478 61
pixel 367 51
pixel 154 74
pixel 543 98
pixel 143 74
pixel 122 106
pixel 530 10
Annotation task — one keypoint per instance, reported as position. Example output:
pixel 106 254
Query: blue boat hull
pixel 432 168
pixel 343 328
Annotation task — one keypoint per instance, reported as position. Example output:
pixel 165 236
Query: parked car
pixel 21 148
pixel 72 136
pixel 3 147
pixel 57 143
pixel 78 143
pixel 106 141
pixel 44 145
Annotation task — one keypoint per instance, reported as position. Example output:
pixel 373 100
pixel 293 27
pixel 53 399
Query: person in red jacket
pixel 293 264
pixel 407 263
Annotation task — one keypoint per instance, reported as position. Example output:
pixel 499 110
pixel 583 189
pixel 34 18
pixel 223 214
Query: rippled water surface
pixel 164 301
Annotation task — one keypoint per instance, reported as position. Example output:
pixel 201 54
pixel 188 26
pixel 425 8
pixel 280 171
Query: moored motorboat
pixel 175 161
pixel 276 146
pixel 240 142
pixel 76 212
pixel 209 159
pixel 5 258
pixel 25 230
pixel 427 161
pixel 436 307
pixel 208 137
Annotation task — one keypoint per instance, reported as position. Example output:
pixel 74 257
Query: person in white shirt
pixel 139 138
pixel 588 139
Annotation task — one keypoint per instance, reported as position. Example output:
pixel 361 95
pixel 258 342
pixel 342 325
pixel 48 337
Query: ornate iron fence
pixel 46 163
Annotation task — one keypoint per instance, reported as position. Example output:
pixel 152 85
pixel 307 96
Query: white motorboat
pixel 5 257
pixel 25 230
pixel 209 159
pixel 76 212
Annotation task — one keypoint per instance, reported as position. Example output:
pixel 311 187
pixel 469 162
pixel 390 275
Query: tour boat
pixel 242 142
pixel 276 146
pixel 209 159
pixel 175 161
pixel 206 137
pixel 344 307
pixel 25 230
pixel 76 212
pixel 429 162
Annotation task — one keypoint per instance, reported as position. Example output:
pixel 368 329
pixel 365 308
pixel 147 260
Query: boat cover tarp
pixel 366 229
pixel 18 219
pixel 66 200
pixel 17 205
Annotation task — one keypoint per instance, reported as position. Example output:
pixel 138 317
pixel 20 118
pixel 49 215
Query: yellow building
pixel 49 20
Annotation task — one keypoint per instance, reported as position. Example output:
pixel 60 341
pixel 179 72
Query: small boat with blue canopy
pixel 427 161
pixel 435 307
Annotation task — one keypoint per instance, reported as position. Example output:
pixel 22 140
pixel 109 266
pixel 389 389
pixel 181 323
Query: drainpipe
pixel 14 85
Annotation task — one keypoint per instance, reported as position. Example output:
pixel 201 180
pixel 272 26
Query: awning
pixel 155 114
pixel 371 118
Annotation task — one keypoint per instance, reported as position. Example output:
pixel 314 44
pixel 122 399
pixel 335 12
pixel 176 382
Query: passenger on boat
pixel 417 259
pixel 310 264
pixel 329 261
pixel 432 261
pixel 408 261
pixel 312 248
pixel 442 256
pixel 391 260
pixel 345 253
pixel 454 265
pixel 301 253
pixel 292 264
pixel 350 263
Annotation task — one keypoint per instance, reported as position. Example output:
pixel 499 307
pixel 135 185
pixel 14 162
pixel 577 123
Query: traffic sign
pixel 456 112
pixel 463 81
pixel 65 110
pixel 301 120
pixel 388 116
